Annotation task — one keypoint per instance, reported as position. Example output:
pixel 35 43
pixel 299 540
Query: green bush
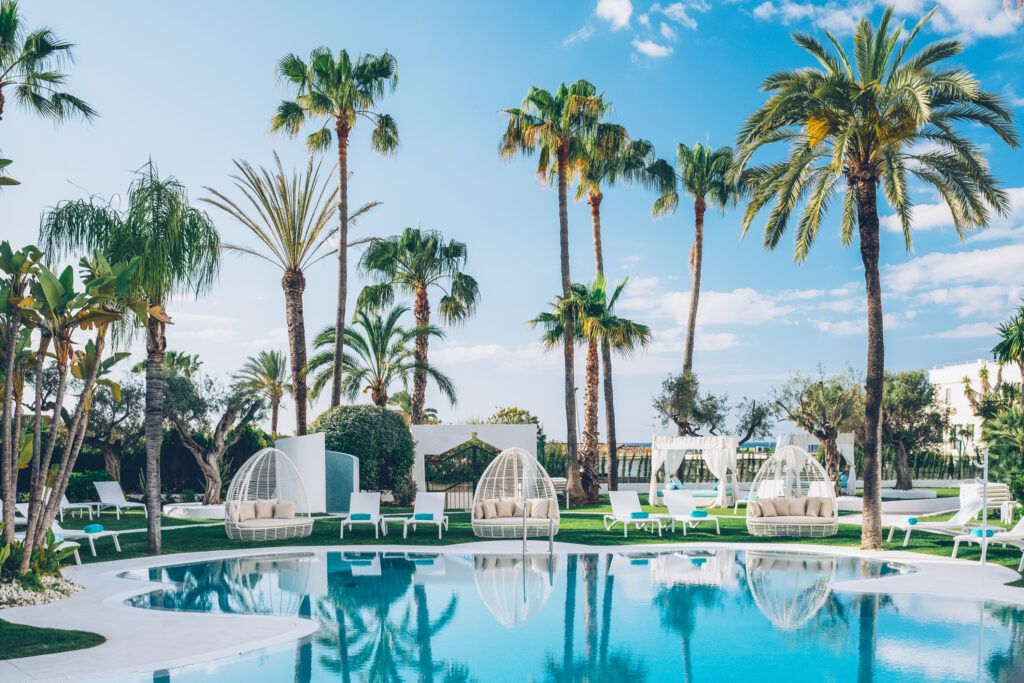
pixel 404 491
pixel 378 437
pixel 1017 488
pixel 188 496
pixel 80 488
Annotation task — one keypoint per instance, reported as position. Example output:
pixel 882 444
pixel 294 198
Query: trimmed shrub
pixel 1017 487
pixel 404 491
pixel 378 437
pixel 80 488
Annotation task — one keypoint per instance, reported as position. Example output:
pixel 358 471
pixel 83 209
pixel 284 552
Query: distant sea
pixel 749 444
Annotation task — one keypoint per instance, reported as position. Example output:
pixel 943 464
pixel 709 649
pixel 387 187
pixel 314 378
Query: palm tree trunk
pixel 572 463
pixel 274 410
pixel 294 284
pixel 867 220
pixel 346 669
pixel 606 609
pixel 588 452
pixel 569 619
pixel 868 623
pixel 901 463
pixel 695 263
pixel 606 353
pixel 423 634
pixel 342 129
pixel 8 451
pixel 156 345
pixel 590 606
pixel 421 311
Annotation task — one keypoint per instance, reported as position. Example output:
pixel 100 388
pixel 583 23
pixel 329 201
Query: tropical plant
pixel 115 425
pixel 403 402
pixel 912 420
pixel 6 180
pixel 412 263
pixel 824 407
pixel 31 62
pixel 557 127
pixel 513 415
pixel 381 355
pixel 338 90
pixel 379 438
pixel 178 251
pixel 880 119
pixel 603 164
pixel 1010 348
pixel 178 362
pixel 266 375
pixel 1004 435
pixel 289 217
pixel 591 307
pixel 706 175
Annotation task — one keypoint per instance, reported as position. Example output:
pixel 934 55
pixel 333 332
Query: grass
pixel 939 493
pixel 28 641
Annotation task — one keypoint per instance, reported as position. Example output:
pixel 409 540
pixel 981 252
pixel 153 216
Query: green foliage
pixel 823 406
pixel 377 436
pixel 188 496
pixel 1010 348
pixel 80 488
pixel 553 458
pixel 912 417
pixel 1017 487
pixel 6 180
pixel 1004 435
pixel 28 641
pixel 703 172
pixel 404 491
pixel 47 560
pixel 681 403
pixel 513 415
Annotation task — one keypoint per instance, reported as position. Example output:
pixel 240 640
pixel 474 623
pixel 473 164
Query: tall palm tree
pixel 289 216
pixel 403 402
pixel 336 90
pixel 31 63
pixel 176 362
pixel 412 263
pixel 381 355
pixel 265 374
pixel 600 166
pixel 591 307
pixel 704 174
pixel 1010 348
pixel 178 252
pixel 557 127
pixel 864 122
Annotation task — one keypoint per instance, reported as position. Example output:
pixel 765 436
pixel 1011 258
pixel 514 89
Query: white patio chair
pixel 65 504
pixel 428 509
pixel 64 542
pixel 1013 536
pixel 681 508
pixel 77 534
pixel 111 496
pixel 364 508
pixel 958 524
pixel 626 509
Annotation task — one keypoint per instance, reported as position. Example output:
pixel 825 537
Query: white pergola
pixel 718 452
pixel 844 442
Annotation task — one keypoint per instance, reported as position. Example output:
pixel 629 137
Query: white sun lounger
pixel 111 496
pixel 58 532
pixel 626 509
pixel 364 504
pixel 65 504
pixel 960 523
pixel 681 506
pixel 1014 536
pixel 428 509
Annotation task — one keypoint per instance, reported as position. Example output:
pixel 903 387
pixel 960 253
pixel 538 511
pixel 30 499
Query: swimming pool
pixel 717 615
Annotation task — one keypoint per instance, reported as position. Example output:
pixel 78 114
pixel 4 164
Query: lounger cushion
pixel 517 509
pixel 284 509
pixel 767 507
pixel 265 508
pixel 504 508
pixel 246 510
pixel 797 506
pixel 754 508
pixel 813 506
pixel 257 523
pixel 478 510
pixel 490 509
pixel 786 519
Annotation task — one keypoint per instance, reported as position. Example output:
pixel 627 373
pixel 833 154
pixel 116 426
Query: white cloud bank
pixel 615 12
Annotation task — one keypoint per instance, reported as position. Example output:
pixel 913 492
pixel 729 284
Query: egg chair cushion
pixel 767 507
pixel 797 506
pixel 813 506
pixel 246 510
pixel 265 508
pixel 490 509
pixel 284 509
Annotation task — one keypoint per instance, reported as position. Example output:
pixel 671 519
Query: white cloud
pixel 938 215
pixel 999 265
pixel 644 20
pixel 578 36
pixel 668 32
pixel 651 49
pixel 973 300
pixel 844 328
pixel 967 331
pixel 615 12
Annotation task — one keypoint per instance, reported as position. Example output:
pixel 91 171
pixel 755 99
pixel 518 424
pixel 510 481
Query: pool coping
pixel 139 640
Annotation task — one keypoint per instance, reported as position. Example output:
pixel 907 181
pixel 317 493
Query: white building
pixel 948 381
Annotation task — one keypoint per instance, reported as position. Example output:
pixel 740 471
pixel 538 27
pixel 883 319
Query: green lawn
pixel 28 641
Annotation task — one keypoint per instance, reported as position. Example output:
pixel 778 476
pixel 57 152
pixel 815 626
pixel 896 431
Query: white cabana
pixel 844 442
pixel 718 452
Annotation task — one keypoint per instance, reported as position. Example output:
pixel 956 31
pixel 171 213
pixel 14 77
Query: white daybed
pixel 515 484
pixel 719 454
pixel 267 500
pixel 792 496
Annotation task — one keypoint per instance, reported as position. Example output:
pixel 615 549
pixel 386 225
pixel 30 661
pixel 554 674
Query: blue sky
pixel 191 85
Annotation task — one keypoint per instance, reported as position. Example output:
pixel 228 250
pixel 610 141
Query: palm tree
pixel 412 263
pixel 403 402
pixel 178 252
pixel 175 362
pixel 864 122
pixel 265 374
pixel 30 62
pixel 591 307
pixel 289 216
pixel 703 173
pixel 557 127
pixel 1010 348
pixel 336 89
pixel 603 165
pixel 381 355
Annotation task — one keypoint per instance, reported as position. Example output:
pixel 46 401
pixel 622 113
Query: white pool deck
pixel 140 641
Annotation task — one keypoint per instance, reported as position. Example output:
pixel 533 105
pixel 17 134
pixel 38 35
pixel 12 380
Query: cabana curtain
pixel 844 442
pixel 719 453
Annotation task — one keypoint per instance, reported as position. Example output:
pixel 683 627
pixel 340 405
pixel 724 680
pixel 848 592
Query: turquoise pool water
pixel 687 616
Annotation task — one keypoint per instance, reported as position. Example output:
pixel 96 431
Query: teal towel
pixel 361 563
pixel 699 513
pixel 698 560
pixel 423 515
pixel 912 521
pixel 361 516
pixel 423 563
pixel 638 563
pixel 58 538
pixel 978 532
pixel 639 515
pixel 93 528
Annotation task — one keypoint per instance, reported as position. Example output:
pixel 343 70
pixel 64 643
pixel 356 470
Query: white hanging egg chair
pixel 792 496
pixel 267 500
pixel 789 588
pixel 515 484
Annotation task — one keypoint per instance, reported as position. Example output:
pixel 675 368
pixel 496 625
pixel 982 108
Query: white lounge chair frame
pixel 791 472
pixel 112 496
pixel 75 534
pixel 427 504
pixel 959 524
pixel 1014 536
pixel 20 509
pixel 267 475
pixel 365 504
pixel 681 506
pixel 624 504
pixel 65 504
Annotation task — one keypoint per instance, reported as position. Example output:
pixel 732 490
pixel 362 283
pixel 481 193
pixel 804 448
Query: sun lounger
pixel 959 524
pixel 683 508
pixel 65 504
pixel 111 496
pixel 364 508
pixel 626 509
pixel 1014 536
pixel 428 509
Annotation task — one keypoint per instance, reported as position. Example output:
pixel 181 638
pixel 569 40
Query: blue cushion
pixel 359 516
pixel 699 513
pixel 912 521
pixel 676 484
pixel 57 538
pixel 978 532
pixel 93 528
pixel 423 515
pixel 424 562
pixel 639 515
pixel 639 562
pixel 698 560
pixel 843 480
pixel 361 563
